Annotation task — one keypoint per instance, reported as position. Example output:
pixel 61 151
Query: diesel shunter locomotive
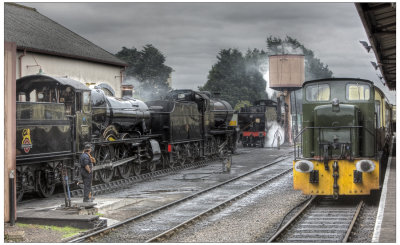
pixel 57 116
pixel 345 138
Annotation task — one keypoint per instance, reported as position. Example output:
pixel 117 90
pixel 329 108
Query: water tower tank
pixel 286 72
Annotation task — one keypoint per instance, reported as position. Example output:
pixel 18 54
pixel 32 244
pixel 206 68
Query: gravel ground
pixel 166 189
pixel 364 228
pixel 161 190
pixel 253 218
pixel 247 220
pixel 33 233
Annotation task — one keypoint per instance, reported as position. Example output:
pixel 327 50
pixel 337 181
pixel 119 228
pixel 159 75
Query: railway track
pixel 321 220
pixel 123 183
pixel 159 224
pixel 118 184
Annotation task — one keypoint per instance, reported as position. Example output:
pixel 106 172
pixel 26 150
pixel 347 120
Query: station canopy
pixel 379 20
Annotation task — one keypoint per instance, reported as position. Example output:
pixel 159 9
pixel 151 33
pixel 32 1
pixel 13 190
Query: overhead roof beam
pixel 385 18
pixel 383 33
pixel 390 69
pixel 379 7
pixel 389 49
pixel 385 58
pixel 393 24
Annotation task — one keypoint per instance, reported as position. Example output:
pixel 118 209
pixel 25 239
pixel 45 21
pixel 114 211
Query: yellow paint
pixel 233 123
pixel 26 140
pixel 370 181
pixel 110 138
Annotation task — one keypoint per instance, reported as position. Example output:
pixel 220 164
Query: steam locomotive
pixel 345 138
pixel 57 116
pixel 253 122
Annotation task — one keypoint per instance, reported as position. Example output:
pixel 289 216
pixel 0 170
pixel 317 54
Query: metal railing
pixel 298 142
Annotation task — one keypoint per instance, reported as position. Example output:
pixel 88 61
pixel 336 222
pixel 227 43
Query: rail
pixel 320 220
pixel 166 233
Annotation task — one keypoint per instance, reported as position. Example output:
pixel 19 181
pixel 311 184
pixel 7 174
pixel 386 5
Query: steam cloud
pixel 274 131
pixel 139 92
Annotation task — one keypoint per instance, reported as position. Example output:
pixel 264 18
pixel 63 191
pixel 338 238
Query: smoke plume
pixel 275 134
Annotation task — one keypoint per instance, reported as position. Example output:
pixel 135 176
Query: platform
pixel 51 212
pixel 385 226
pixel 61 218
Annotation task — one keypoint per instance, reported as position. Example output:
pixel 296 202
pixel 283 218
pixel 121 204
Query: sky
pixel 190 35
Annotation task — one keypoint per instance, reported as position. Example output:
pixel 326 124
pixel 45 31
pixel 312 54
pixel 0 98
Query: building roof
pixel 379 20
pixel 35 32
pixel 26 82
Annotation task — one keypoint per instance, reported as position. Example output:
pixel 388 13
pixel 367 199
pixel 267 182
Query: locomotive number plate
pixel 85 129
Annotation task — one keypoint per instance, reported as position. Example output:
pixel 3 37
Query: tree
pixel 314 68
pixel 236 77
pixel 242 103
pixel 133 58
pixel 147 66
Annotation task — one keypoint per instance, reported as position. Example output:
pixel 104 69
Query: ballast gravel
pixel 247 220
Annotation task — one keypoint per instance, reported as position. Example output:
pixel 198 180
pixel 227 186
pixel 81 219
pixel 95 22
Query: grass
pixel 99 214
pixel 66 231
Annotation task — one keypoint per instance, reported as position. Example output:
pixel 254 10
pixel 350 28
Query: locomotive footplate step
pixel 65 217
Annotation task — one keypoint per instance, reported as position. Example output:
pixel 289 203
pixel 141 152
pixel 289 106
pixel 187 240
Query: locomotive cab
pixel 49 98
pixel 48 109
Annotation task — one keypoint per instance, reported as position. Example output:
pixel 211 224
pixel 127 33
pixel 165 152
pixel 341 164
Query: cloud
pixel 190 35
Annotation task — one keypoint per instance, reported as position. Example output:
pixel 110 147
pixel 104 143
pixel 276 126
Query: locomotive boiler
pixel 124 114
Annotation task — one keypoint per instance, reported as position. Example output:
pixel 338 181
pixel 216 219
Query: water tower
pixel 286 73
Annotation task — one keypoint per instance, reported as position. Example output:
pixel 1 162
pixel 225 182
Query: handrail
pixel 301 132
pixel 333 127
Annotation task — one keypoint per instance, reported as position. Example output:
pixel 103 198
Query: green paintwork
pixel 351 113
pixel 325 116
pixel 83 127
pixel 40 111
pixel 46 127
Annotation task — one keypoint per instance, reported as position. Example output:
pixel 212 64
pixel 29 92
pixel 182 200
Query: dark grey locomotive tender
pixel 56 117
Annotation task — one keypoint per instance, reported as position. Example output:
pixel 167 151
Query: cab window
pixel 378 113
pixel 318 92
pixel 387 117
pixel 86 101
pixel 358 92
